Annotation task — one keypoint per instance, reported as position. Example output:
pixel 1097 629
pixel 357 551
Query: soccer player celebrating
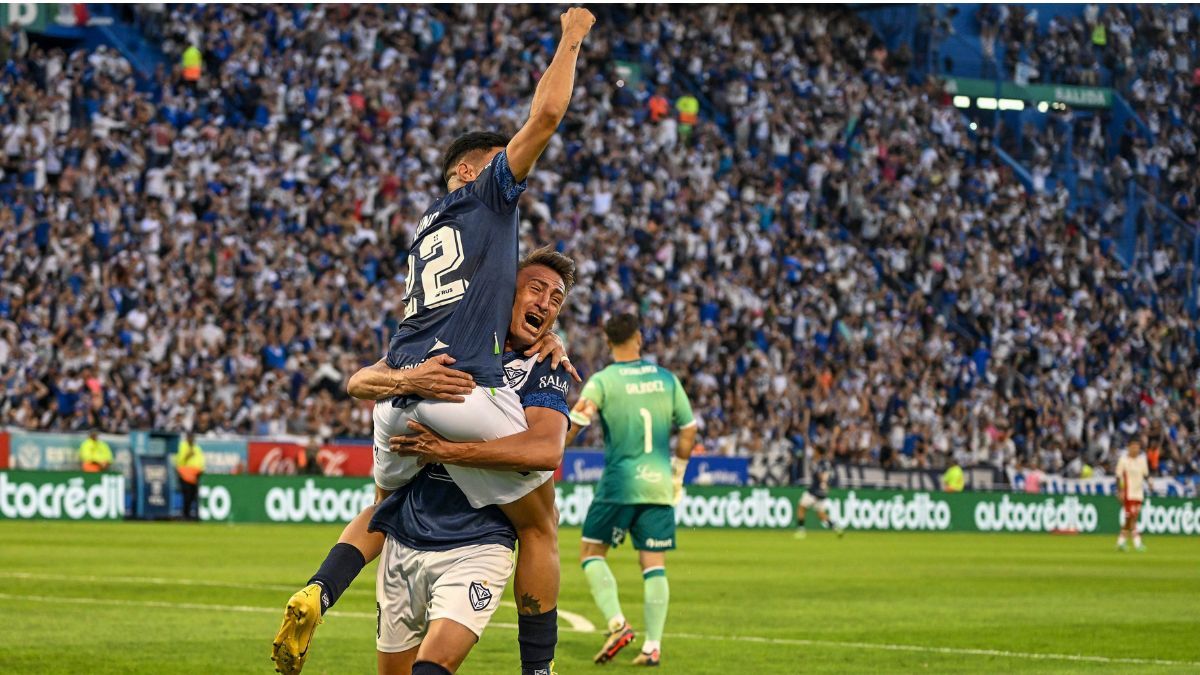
pixel 459 298
pixel 423 518
pixel 817 494
pixel 1133 480
pixel 638 403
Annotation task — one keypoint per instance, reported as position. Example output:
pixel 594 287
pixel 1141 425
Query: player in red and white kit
pixel 1133 482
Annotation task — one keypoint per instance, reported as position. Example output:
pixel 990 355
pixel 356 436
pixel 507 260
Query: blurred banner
pixel 4 449
pixel 61 495
pixel 586 466
pixel 856 476
pixel 1185 486
pixel 221 455
pixel 299 499
pixel 283 458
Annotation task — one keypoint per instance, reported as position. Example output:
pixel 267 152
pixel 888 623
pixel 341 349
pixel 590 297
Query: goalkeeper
pixel 637 403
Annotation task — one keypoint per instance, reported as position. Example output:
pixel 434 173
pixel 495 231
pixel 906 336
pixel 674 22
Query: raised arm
pixel 552 96
pixel 431 380
pixel 539 448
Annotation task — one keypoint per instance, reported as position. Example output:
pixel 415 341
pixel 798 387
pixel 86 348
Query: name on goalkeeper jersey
pixel 645 387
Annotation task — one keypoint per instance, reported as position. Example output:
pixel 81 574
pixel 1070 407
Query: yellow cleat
pixel 300 620
pixel 613 643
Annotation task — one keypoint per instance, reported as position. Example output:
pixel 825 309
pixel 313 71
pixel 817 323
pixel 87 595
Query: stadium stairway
pixel 119 32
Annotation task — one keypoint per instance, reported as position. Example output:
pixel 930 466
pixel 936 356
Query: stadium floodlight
pixel 962 101
pixel 1043 107
pixel 1012 104
pixel 985 103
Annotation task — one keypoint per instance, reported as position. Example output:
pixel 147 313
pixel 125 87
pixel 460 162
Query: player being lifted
pixel 459 298
pixel 1133 482
pixel 817 494
pixel 637 403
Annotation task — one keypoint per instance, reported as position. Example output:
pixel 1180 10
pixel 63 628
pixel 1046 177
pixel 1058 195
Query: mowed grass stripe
pixel 682 636
pixel 741 601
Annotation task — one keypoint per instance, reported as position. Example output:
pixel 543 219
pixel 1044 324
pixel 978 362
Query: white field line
pixel 576 621
pixel 835 644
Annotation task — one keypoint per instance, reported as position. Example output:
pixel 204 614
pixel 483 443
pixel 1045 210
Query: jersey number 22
pixel 442 252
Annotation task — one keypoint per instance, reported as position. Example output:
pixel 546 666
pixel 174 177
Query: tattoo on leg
pixel 529 605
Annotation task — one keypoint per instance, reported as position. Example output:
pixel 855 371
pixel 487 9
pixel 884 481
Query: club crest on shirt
pixel 479 595
pixel 515 374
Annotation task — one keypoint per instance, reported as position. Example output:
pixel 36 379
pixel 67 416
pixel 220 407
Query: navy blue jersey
pixel 431 513
pixel 462 277
pixel 822 473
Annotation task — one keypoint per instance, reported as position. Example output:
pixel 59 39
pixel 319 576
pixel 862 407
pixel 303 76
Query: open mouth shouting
pixel 534 321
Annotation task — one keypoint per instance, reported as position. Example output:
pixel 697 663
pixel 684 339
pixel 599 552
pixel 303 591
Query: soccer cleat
pixel 646 659
pixel 1122 548
pixel 616 641
pixel 800 533
pixel 1140 548
pixel 300 619
pixel 841 531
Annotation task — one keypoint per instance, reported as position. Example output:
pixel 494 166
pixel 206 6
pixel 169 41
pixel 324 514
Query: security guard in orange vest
pixel 192 64
pixel 189 464
pixel 689 114
pixel 94 454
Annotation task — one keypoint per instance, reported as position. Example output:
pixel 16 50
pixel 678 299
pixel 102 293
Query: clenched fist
pixel 576 22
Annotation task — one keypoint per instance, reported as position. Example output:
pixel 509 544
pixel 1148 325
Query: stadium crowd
pixel 1148 53
pixel 835 262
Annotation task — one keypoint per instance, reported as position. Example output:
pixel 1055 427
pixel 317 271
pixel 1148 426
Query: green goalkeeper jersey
pixel 639 403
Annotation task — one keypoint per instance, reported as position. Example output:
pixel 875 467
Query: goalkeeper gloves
pixel 678 468
pixel 579 419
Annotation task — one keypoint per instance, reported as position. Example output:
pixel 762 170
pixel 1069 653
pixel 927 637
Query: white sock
pixel 1120 540
pixel 1137 540
pixel 650 645
pixel 616 622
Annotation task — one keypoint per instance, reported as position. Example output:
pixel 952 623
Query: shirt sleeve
pixel 547 388
pixel 682 413
pixel 496 186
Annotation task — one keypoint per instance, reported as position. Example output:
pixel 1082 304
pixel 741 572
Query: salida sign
pixel 283 459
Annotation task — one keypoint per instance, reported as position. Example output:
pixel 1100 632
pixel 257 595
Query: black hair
pixel 466 144
pixel 621 328
pixel 547 256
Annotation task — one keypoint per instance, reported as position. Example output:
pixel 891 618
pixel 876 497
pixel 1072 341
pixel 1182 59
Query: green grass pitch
pixel 187 598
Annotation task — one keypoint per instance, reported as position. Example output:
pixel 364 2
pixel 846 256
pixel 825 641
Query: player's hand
pixel 427 446
pixel 678 470
pixel 436 381
pixel 577 22
pixel 551 345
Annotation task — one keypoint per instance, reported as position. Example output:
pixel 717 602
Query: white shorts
pixel 808 501
pixel 482 417
pixel 413 588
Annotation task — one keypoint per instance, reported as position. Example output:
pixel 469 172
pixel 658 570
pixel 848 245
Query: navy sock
pixel 428 668
pixel 537 635
pixel 343 563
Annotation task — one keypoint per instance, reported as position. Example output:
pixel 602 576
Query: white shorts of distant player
pixel 808 501
pixel 413 588
pixel 484 416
